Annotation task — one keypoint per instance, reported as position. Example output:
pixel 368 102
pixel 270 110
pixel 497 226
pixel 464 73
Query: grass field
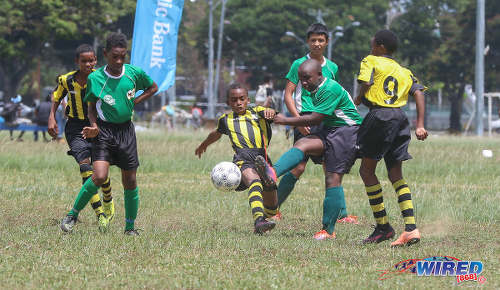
pixel 196 237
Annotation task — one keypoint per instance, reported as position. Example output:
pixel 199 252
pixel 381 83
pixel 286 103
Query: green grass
pixel 196 237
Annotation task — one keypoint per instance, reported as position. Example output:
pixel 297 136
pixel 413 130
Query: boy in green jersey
pixel 111 97
pixel 332 107
pixel 299 103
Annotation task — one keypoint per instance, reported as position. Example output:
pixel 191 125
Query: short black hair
pixel 317 28
pixel 116 39
pixel 388 39
pixel 83 48
pixel 234 86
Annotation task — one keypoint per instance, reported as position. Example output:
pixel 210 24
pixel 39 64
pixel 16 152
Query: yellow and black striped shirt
pixel 250 130
pixel 68 86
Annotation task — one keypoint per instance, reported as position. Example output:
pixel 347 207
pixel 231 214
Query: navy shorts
pixel 116 143
pixel 340 148
pixel 315 130
pixel 245 158
pixel 79 148
pixel 385 133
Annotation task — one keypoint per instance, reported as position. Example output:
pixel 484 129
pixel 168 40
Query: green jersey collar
pixel 113 77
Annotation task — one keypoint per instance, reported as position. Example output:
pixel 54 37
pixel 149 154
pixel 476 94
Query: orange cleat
pixel 407 239
pixel 277 217
pixel 349 219
pixel 323 235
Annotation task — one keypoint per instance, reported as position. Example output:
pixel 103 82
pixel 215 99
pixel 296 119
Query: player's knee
pixel 364 173
pixel 99 178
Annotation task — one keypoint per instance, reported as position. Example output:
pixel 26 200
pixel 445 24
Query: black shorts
pixel 79 148
pixel 245 158
pixel 116 143
pixel 385 133
pixel 340 148
pixel 315 130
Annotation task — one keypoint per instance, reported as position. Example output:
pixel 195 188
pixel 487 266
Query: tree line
pixel 436 40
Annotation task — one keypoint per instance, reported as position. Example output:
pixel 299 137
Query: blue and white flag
pixel 154 43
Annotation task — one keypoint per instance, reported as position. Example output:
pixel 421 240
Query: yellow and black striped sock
pixel 95 200
pixel 270 211
pixel 255 199
pixel 405 204
pixel 85 171
pixel 377 203
pixel 106 191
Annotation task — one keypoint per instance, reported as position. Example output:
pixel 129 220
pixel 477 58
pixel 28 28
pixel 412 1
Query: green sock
pixel 332 206
pixel 86 192
pixel 343 212
pixel 131 207
pixel 288 161
pixel 285 187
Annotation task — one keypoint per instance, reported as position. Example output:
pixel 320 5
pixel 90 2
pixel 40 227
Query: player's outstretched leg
pixel 95 200
pixel 86 192
pixel 108 205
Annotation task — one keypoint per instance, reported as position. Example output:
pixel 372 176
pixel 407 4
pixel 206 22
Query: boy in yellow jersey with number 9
pixel 385 133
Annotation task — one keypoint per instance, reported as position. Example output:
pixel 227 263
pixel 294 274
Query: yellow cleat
pixel 103 223
pixel 109 209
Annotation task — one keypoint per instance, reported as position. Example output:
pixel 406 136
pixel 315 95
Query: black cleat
pixel 262 225
pixel 266 173
pixel 380 234
pixel 67 223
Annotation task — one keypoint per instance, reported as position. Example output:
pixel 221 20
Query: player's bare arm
pixel 211 138
pixel 93 130
pixel 420 131
pixel 53 129
pixel 146 94
pixel 306 120
pixel 290 105
pixel 362 91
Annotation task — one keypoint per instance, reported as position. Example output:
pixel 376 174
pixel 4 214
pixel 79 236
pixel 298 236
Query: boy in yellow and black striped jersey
pixel 249 131
pixel 73 85
pixel 385 133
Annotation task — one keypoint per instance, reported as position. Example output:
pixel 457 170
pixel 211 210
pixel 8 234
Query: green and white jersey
pixel 114 96
pixel 302 97
pixel 332 100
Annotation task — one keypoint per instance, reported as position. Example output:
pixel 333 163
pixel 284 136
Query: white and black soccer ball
pixel 226 176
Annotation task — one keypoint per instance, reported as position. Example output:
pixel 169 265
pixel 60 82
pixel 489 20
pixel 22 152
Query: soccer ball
pixel 226 176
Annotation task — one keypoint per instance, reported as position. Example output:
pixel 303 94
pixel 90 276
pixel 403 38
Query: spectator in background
pixel 10 113
pixel 197 115
pixel 42 112
pixel 264 93
pixel 170 114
